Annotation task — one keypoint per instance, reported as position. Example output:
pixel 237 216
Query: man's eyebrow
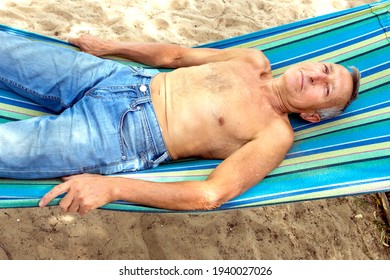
pixel 333 81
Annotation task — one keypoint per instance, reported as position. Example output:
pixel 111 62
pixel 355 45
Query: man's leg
pixel 52 76
pixel 89 137
pixel 107 122
pixel 73 142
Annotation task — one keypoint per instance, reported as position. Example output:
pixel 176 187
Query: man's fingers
pixel 83 211
pixel 73 41
pixel 78 176
pixel 72 207
pixel 56 191
pixel 67 178
pixel 67 203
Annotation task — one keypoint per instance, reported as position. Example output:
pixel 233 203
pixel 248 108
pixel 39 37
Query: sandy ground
pixel 343 228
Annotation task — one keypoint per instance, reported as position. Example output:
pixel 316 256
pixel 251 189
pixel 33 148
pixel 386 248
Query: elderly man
pixel 221 104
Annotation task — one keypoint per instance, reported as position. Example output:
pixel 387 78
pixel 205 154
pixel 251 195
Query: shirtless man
pixel 220 104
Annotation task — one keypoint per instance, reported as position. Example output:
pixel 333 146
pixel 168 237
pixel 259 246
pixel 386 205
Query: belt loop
pixel 160 159
pixel 140 100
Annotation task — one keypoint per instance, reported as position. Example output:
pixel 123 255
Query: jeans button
pixel 143 89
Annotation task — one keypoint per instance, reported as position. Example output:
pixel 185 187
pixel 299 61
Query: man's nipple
pixel 221 121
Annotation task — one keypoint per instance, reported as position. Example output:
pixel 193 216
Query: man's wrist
pixel 114 188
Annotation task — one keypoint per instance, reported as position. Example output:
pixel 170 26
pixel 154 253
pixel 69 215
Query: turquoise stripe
pixel 311 45
pixel 269 33
pixel 352 137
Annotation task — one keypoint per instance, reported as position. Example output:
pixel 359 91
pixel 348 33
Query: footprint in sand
pixel 179 5
pixel 211 8
pixel 160 24
pixel 4 254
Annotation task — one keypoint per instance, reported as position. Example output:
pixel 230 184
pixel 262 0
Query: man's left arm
pixel 236 174
pixel 166 55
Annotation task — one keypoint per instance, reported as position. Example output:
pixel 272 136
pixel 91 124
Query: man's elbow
pixel 170 57
pixel 211 204
pixel 211 200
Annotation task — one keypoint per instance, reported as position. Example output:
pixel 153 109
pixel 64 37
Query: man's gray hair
pixel 329 113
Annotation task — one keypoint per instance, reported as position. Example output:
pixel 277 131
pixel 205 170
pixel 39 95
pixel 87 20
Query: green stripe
pixel 366 118
pixel 21 183
pixel 304 32
pixel 375 80
pixel 343 191
pixel 346 53
pixel 367 152
pixel 18 113
pixel 13 115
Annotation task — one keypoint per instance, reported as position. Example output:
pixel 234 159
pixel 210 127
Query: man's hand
pixel 84 193
pixel 92 45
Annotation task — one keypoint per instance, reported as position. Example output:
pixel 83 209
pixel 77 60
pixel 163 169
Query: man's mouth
pixel 302 80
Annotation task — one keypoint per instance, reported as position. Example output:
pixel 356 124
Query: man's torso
pixel 212 110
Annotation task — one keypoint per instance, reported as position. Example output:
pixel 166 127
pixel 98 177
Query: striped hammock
pixel 348 155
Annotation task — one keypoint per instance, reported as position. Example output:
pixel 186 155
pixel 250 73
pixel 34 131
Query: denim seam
pixel 148 133
pixel 120 134
pixel 113 163
pixel 121 138
pixel 73 170
pixel 90 92
pixel 37 94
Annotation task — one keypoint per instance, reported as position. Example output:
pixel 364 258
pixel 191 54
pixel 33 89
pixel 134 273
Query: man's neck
pixel 276 97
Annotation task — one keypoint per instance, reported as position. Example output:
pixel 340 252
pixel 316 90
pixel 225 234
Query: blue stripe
pixel 311 53
pixel 195 164
pixel 337 147
pixel 247 38
pixel 374 99
pixel 258 200
pixel 25 105
pixel 349 134
pixel 326 178
pixel 384 65
pixel 30 35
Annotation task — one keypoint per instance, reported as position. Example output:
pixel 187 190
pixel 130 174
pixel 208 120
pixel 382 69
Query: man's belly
pixel 159 99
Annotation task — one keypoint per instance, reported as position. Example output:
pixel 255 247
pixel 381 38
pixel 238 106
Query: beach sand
pixel 342 228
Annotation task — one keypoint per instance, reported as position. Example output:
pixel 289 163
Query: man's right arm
pixel 164 55
pixel 236 174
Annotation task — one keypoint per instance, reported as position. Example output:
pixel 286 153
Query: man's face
pixel 315 85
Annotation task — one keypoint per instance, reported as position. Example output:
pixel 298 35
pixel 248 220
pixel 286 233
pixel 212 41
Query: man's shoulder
pixel 278 130
pixel 252 56
pixel 283 126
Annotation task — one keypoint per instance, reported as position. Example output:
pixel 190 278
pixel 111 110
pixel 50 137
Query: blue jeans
pixel 105 120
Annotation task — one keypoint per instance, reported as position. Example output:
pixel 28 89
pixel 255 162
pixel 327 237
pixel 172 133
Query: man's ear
pixel 311 117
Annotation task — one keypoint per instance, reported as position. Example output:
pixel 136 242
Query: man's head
pixel 320 91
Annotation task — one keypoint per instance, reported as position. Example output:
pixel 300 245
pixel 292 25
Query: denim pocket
pixel 135 135
pixel 113 92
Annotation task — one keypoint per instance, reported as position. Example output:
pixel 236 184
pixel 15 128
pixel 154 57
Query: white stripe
pixel 347 184
pixel 345 143
pixel 343 42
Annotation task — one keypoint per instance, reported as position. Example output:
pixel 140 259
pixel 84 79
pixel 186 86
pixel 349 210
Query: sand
pixel 343 228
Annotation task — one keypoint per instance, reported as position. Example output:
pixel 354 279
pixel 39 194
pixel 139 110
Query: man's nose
pixel 318 77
